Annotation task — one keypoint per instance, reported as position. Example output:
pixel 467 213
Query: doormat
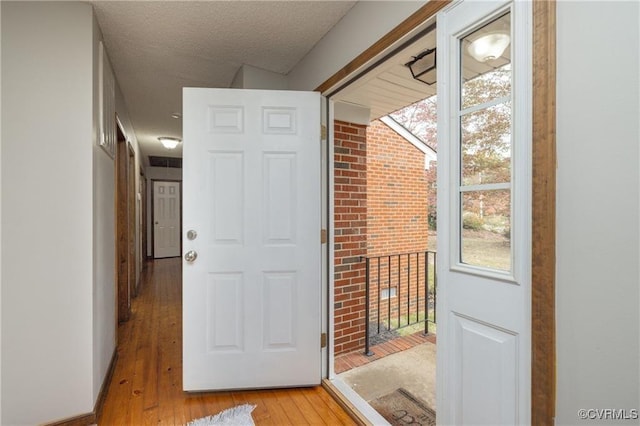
pixel 401 408
pixel 236 416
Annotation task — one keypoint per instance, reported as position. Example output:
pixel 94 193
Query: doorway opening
pixel 385 292
pixel 385 285
pixel 125 225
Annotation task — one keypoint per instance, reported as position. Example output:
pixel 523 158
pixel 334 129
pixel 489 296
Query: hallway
pixel 146 387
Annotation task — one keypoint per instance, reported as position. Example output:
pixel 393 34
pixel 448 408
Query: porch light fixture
pixel 488 47
pixel 169 143
pixel 423 66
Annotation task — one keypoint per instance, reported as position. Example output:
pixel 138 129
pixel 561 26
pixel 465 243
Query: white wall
pixel 366 23
pixel 597 210
pixel 104 287
pixel 59 306
pixel 0 225
pixel 249 77
pixel 104 324
pixel 47 201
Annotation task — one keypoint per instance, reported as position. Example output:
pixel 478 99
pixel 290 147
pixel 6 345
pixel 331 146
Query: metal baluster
pixel 408 289
pixel 426 292
pixel 367 296
pixel 418 288
pixel 389 293
pixel 379 296
pixel 399 288
pixel 435 285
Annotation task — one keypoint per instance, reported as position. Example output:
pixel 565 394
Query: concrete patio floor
pixel 413 369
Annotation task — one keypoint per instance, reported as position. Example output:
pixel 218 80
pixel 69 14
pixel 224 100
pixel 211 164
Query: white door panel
pixel 484 309
pixel 166 214
pixel 252 193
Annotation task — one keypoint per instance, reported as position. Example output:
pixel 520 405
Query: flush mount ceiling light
pixel 488 47
pixel 169 143
pixel 423 66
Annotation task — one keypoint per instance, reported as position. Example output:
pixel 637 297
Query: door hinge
pixel 323 236
pixel 323 340
pixel 323 132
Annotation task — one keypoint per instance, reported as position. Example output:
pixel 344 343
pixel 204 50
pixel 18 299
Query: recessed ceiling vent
pixel 173 162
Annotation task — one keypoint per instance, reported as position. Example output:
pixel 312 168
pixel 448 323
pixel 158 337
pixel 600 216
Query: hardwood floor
pixel 146 388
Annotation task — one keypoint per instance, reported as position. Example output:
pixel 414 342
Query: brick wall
pixel 350 235
pixel 380 209
pixel 397 223
pixel 396 193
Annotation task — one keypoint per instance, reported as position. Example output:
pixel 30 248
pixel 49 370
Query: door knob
pixel 191 234
pixel 190 256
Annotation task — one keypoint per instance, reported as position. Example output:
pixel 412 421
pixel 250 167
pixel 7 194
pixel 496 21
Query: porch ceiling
pixel 389 86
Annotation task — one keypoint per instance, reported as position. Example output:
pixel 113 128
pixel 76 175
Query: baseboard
pixel 353 412
pixel 102 396
pixel 92 418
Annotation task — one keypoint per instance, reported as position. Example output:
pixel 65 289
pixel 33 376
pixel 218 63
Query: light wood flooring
pixel 146 388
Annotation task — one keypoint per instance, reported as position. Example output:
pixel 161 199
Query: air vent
pixel 173 162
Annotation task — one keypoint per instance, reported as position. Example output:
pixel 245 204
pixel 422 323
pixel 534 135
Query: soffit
pixel 389 86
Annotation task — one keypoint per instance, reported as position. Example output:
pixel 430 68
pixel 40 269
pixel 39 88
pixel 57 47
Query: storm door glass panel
pixel 486 145
pixel 485 120
pixel 486 228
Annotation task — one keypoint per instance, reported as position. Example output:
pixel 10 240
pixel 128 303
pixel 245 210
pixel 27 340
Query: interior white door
pixel 484 209
pixel 252 194
pixel 166 219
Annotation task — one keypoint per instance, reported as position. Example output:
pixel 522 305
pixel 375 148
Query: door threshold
pixel 354 404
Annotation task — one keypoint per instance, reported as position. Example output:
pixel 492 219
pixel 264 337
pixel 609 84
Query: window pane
pixel 486 63
pixel 486 229
pixel 486 145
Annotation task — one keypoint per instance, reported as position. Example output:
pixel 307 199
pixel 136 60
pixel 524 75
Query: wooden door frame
pixel 153 214
pixel 123 289
pixel 543 268
pixel 131 216
pixel 143 220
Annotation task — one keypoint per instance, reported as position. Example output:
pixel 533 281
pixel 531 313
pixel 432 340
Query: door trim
pixel 143 221
pixel 131 221
pixel 543 358
pixel 123 287
pixel 543 250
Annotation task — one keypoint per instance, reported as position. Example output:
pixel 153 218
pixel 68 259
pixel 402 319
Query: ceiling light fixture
pixel 169 143
pixel 488 47
pixel 423 66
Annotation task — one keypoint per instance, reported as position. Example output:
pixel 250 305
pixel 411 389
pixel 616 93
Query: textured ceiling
pixel 158 47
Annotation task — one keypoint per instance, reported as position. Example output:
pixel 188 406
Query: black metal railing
pixel 400 292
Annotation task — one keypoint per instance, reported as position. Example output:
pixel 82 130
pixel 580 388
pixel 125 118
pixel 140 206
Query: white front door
pixel 484 213
pixel 166 219
pixel 252 194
